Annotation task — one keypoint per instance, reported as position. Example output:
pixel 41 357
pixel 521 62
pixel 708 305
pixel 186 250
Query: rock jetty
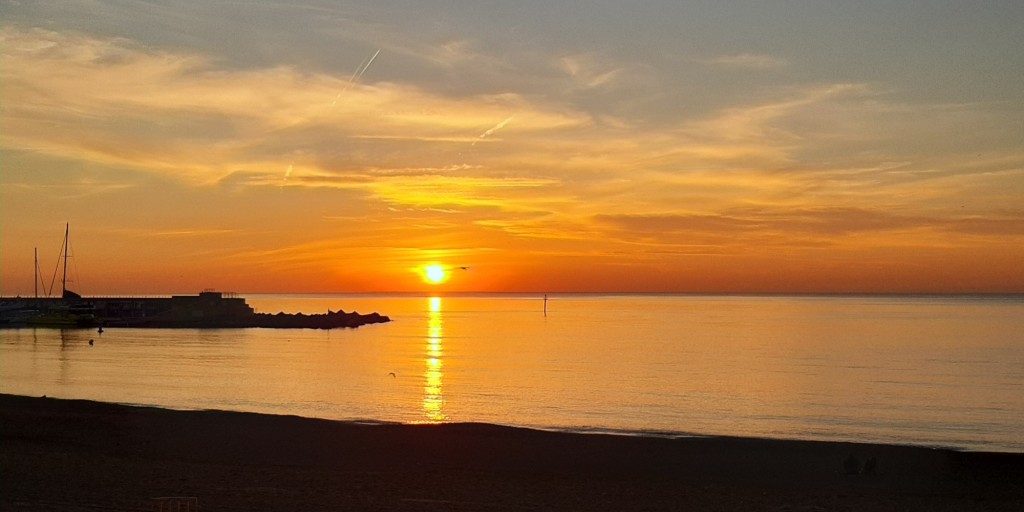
pixel 329 320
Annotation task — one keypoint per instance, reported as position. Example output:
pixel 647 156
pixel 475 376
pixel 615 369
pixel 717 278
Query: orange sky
pixel 328 147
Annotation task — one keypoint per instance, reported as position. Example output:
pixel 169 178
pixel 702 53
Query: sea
pixel 939 371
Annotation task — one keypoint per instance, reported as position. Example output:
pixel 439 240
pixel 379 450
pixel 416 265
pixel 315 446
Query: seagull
pixel 392 374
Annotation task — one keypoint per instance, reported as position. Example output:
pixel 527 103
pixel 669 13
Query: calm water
pixel 910 370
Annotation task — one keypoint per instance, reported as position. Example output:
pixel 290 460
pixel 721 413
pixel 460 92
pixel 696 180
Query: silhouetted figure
pixel 100 330
pixel 870 466
pixel 851 465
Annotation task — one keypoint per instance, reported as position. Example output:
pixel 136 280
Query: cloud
pixel 459 191
pixel 828 225
pixel 189 232
pixel 183 115
pixel 832 221
pixel 568 170
pixel 750 61
pixel 587 72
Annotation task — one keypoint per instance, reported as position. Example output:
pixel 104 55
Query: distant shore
pixel 82 455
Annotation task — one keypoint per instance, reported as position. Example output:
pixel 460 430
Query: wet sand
pixel 79 455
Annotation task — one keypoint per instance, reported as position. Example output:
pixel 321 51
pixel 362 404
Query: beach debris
pixel 177 503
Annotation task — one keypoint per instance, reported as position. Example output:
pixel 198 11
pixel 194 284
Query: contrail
pixel 356 75
pixel 367 65
pixel 287 174
pixel 494 129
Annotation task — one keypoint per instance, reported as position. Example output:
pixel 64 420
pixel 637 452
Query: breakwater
pixel 208 309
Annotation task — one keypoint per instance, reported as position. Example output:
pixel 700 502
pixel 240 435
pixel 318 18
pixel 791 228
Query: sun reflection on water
pixel 433 399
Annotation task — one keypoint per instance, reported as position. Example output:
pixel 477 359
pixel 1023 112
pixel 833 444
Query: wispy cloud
pixel 587 72
pixel 179 115
pixel 185 116
pixel 368 124
pixel 751 61
pixel 194 232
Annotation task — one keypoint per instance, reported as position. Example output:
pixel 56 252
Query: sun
pixel 435 274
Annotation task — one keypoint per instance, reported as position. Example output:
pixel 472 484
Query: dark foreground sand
pixel 79 456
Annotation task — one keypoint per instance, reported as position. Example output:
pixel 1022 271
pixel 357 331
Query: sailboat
pixel 70 310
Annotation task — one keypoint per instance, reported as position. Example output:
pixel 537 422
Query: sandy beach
pixel 80 455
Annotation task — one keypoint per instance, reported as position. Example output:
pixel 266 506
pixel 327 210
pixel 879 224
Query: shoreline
pixel 79 455
pixel 556 429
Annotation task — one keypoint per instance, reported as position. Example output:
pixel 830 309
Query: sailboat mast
pixel 64 280
pixel 35 274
